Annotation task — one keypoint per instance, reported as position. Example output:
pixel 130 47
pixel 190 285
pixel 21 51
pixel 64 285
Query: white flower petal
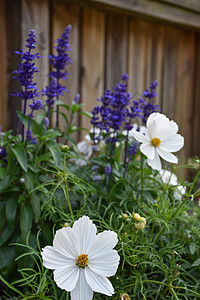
pixel 105 264
pixel 148 149
pixel 151 129
pixel 98 283
pixel 66 242
pixel 172 143
pixel 155 163
pixel 66 278
pixel 86 231
pixel 140 137
pixel 82 290
pixel 102 242
pixel 167 156
pixel 53 259
pixel 164 127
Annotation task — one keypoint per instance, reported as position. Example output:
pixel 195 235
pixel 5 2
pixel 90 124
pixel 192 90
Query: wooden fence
pixel 151 40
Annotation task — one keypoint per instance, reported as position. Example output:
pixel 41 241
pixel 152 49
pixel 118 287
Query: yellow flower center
pixel 82 260
pixel 156 142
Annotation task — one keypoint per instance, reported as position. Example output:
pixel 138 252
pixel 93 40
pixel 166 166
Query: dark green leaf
pixel 35 202
pixel 26 219
pixel 36 128
pixel 11 210
pixel 20 155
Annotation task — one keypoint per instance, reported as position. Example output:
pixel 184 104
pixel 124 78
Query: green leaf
pixel 5 235
pixel 87 114
pixel 20 155
pixel 196 263
pixel 55 152
pixel 36 128
pixel 26 219
pixel 11 210
pixel 193 248
pixel 7 261
pixel 35 202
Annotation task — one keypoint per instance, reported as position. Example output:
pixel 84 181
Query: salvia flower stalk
pixel 25 73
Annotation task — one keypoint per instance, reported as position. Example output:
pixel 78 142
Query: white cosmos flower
pixel 82 259
pixel 160 140
pixel 171 179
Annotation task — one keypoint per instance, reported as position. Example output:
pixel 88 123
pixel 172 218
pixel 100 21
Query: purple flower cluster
pixel 30 137
pixel 3 155
pixel 26 70
pixel 147 107
pixel 36 105
pixel 113 112
pixel 59 61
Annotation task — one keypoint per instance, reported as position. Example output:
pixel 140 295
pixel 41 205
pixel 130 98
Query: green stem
pixel 174 294
pixel 67 197
pixel 66 188
pixel 142 179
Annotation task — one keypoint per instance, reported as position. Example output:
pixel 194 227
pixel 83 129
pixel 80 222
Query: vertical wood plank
pixel 64 14
pixel 185 88
pixel 169 72
pixel 116 48
pixel 35 15
pixel 92 62
pixel 196 111
pixel 155 55
pixel 137 55
pixel 13 43
pixel 3 74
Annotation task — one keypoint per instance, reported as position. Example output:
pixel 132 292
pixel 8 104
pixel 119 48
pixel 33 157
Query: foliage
pixel 46 185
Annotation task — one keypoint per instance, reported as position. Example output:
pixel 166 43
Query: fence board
pixel 169 72
pixel 35 15
pixel 196 111
pixel 154 68
pixel 92 62
pixel 185 87
pixel 13 43
pixel 116 49
pixel 2 66
pixel 137 55
pixel 64 14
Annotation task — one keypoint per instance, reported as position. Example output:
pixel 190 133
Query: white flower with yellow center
pixel 160 140
pixel 82 259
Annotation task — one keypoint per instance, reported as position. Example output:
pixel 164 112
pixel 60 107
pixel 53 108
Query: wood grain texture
pixel 155 9
pixel 137 55
pixel 13 43
pixel 169 89
pixel 35 15
pixel 92 60
pixel 63 15
pixel 116 49
pixel 196 109
pixel 185 87
pixel 3 86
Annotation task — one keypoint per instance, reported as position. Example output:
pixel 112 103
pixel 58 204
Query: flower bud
pixel 136 217
pixel 124 297
pixel 64 148
pixel 125 216
pixel 22 180
pixel 141 224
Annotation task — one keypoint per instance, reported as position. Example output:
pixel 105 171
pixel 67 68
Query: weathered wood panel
pixel 168 94
pixel 154 9
pixel 35 15
pixel 155 57
pixel 13 43
pixel 64 14
pixel 2 66
pixel 116 48
pixel 196 110
pixel 137 55
pixel 92 60
pixel 185 88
